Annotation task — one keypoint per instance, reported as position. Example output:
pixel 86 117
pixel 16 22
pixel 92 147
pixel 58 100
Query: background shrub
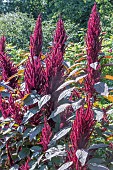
pixel 17 27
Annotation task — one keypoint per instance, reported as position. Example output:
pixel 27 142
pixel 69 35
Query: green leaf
pixel 59 110
pixel 30 113
pixel 53 152
pixel 31 99
pixel 77 104
pixel 35 131
pixel 27 132
pixel 94 166
pixel 43 167
pixel 96 146
pixel 44 100
pixel 5 94
pixel 65 166
pixel 35 148
pixel 60 134
pixel 15 167
pixel 66 93
pixel 65 84
pixel 96 160
pixel 24 153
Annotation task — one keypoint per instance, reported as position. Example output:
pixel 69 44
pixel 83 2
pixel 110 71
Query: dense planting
pixel 50 112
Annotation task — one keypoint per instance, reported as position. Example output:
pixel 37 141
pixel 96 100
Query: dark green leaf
pixel 94 166
pixel 24 153
pixel 35 131
pixel 96 146
pixel 30 113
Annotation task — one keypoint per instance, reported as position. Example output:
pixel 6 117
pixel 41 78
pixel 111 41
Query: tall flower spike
pixel 93 32
pixel 36 38
pixel 54 61
pixel 2 44
pixel 46 135
pixel 60 36
pixel 93 43
pixel 80 134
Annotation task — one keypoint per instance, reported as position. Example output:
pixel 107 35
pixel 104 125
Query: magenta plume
pixel 8 70
pixel 46 135
pixel 93 43
pixel 60 36
pixel 36 38
pixel 54 60
pixel 2 44
pixel 35 76
pixel 81 131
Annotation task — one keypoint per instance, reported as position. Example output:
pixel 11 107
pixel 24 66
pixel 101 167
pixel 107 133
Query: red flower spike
pixel 36 38
pixel 46 135
pixel 93 43
pixel 81 131
pixel 35 76
pixel 54 60
pixel 8 70
pixel 60 36
pixel 2 44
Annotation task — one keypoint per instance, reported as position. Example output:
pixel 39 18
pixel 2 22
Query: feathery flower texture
pixel 8 69
pixel 46 135
pixel 93 43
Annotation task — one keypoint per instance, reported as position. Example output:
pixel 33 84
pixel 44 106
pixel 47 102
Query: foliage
pixel 14 25
pixel 51 119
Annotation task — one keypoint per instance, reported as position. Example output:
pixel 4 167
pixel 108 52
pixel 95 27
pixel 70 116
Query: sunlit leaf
pixel 66 93
pixel 35 131
pixel 60 134
pixel 30 113
pixel 44 100
pixel 59 110
pixel 82 156
pixel 52 152
pixel 94 65
pixel 65 84
pixel 98 114
pixel 65 166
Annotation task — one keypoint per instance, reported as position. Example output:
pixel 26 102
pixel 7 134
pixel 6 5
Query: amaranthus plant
pixel 55 122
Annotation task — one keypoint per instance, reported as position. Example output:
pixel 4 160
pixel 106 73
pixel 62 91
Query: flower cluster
pixel 46 135
pixel 2 44
pixel 81 132
pixel 93 43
